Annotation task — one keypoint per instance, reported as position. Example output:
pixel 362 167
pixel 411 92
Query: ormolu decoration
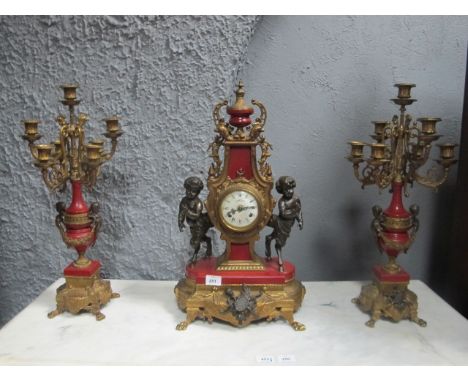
pixel 240 286
pixel 396 159
pixel 71 159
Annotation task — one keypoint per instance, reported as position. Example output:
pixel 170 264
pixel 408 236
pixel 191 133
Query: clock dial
pixel 239 209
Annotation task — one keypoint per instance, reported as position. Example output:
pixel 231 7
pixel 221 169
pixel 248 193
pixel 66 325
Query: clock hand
pixel 240 209
pixel 246 208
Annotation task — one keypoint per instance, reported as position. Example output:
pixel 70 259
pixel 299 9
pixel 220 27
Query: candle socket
pixel 31 130
pixel 447 150
pixel 428 125
pixel 31 127
pixel 404 90
pixel 357 149
pixel 378 150
pixel 43 152
pixel 98 142
pixel 112 125
pixel 69 91
pixel 93 152
pixel 379 127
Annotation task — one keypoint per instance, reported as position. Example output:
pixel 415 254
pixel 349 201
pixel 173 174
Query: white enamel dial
pixel 239 209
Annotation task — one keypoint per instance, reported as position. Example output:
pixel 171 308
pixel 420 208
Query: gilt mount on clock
pixel 239 286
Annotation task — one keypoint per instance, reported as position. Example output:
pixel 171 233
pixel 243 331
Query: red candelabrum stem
pixel 396 210
pixel 80 230
pixel 78 204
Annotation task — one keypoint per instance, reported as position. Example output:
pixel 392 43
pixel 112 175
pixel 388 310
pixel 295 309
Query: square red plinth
pixel 269 275
pixel 88 271
pixel 382 275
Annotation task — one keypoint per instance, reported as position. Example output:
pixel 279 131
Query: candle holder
pixel 70 159
pixel 396 161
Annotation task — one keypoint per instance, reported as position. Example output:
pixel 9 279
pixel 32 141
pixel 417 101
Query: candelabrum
pixel 396 161
pixel 71 159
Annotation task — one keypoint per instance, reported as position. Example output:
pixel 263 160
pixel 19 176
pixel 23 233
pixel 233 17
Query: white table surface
pixel 140 329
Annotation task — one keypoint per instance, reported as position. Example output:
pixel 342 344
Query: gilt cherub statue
pixel 191 212
pixel 289 207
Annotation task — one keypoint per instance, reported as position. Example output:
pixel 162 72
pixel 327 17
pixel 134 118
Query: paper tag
pixel 266 359
pixel 287 358
pixel 213 280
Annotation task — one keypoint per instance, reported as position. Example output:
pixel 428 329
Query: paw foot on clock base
pixel 390 299
pixel 239 304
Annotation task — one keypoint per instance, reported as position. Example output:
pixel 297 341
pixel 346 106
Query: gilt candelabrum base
pixel 83 291
pixel 242 298
pixel 388 297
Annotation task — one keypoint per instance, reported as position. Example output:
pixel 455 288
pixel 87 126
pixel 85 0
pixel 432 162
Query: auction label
pixel 213 280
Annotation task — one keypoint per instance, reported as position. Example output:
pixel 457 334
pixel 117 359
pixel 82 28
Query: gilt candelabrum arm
pixel 90 177
pixel 429 180
pixel 95 154
pixel 45 177
pixel 55 177
pixel 384 181
pixel 365 176
pixel 33 150
pixel 434 177
pixel 419 161
pixel 108 156
pixel 57 173
pixel 375 172
pixel 357 174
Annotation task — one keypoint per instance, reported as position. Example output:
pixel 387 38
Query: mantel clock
pixel 240 286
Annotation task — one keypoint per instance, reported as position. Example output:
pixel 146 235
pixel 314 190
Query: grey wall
pixel 323 79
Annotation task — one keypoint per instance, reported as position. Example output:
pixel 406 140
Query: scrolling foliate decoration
pixel 226 132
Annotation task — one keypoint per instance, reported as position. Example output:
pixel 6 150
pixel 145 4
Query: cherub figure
pixel 191 211
pixel 289 207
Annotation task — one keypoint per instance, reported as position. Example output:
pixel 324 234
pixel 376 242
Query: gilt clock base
pixel 242 298
pixel 83 291
pixel 388 297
